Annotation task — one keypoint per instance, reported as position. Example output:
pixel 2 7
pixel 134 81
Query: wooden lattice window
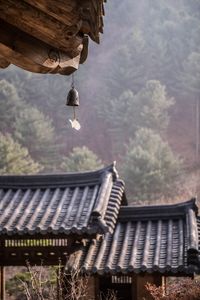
pixel 36 242
pixel 121 279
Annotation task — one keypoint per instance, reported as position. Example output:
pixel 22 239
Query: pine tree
pixel 34 130
pixel 81 159
pixel 154 104
pixel 27 125
pixel 151 170
pixel 15 159
pixel 190 78
pixel 128 112
pixel 10 104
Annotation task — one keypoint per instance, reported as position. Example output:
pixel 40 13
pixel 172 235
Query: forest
pixel 139 93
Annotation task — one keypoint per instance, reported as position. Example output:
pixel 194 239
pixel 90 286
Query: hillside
pixel 149 55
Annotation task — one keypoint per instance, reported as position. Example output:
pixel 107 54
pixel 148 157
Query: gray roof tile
pixel 79 203
pixel 146 239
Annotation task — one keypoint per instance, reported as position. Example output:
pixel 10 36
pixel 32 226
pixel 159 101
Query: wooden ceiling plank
pixel 65 5
pixel 40 25
pixel 62 10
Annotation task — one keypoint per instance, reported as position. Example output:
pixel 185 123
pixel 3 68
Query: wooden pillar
pixel 92 288
pixel 164 284
pixel 134 287
pixel 2 283
pixel 2 273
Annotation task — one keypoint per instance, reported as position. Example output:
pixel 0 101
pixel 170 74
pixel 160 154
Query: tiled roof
pixel 146 239
pixel 198 228
pixel 78 203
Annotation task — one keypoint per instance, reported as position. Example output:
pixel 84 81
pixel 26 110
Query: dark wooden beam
pixel 21 61
pixel 73 236
pixel 32 54
pixel 17 256
pixel 17 252
pixel 42 26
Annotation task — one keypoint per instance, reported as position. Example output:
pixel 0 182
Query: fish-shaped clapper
pixel 75 124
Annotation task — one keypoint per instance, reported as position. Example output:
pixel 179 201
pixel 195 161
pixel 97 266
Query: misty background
pixel 139 105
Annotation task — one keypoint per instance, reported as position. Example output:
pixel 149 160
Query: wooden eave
pixel 47 36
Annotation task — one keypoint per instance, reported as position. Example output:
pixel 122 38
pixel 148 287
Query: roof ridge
pixel 155 211
pixel 59 179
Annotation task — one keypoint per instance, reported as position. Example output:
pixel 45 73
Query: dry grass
pixel 184 289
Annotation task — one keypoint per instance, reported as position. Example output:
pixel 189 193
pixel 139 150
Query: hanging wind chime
pixel 73 100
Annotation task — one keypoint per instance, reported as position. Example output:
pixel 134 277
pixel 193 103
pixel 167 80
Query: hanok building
pixel 83 219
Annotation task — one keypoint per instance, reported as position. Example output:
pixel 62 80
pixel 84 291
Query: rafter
pixel 41 25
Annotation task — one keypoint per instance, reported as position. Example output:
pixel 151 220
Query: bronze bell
pixel 73 97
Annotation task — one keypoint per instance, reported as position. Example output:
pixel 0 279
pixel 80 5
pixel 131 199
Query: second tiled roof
pixel 146 239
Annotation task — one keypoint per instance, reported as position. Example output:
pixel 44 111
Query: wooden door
pixel 120 285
